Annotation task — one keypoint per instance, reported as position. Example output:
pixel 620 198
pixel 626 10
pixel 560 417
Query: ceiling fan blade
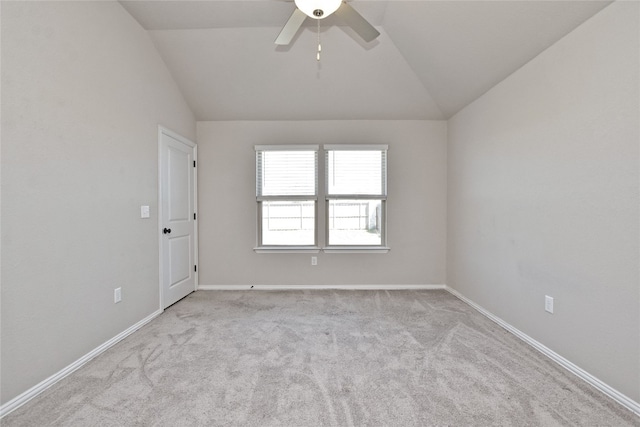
pixel 360 25
pixel 291 27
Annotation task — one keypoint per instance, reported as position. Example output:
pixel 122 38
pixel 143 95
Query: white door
pixel 177 217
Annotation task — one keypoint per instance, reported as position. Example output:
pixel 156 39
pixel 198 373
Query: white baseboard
pixel 23 398
pixel 614 394
pixel 316 287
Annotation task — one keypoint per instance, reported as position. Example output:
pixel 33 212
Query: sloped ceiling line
pixel 431 59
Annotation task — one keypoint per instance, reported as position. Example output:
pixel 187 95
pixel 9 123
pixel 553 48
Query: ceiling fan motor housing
pixel 318 9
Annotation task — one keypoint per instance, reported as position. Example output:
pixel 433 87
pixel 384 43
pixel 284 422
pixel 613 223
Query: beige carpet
pixel 321 358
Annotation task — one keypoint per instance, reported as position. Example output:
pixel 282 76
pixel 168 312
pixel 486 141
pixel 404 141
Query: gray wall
pixel 543 198
pixel 83 92
pixel 416 206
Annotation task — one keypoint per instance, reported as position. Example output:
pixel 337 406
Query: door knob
pixel 166 231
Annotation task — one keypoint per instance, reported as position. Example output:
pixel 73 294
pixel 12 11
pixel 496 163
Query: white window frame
pixel 321 177
pixel 260 247
pixel 361 248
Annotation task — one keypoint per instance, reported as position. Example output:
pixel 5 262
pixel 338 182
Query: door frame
pixel 162 130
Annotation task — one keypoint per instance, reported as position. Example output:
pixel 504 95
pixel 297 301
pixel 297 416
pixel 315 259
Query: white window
pixel 287 196
pixel 356 195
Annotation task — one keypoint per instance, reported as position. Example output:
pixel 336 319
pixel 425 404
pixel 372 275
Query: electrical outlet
pixel 314 260
pixel 548 304
pixel 117 295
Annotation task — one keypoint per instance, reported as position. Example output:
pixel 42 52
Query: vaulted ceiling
pixel 431 59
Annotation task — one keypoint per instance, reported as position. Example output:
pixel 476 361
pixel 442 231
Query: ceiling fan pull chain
pixel 319 45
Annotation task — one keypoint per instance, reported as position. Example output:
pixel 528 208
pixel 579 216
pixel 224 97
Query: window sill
pixel 287 250
pixel 328 249
pixel 356 249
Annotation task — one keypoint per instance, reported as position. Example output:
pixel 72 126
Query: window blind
pixel 281 172
pixel 356 171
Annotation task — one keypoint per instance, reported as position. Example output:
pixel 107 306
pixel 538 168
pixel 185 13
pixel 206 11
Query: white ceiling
pixel 431 59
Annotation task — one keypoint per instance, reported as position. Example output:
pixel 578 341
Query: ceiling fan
pixel 320 9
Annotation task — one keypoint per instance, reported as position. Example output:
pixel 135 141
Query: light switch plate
pixel 144 211
pixel 548 304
